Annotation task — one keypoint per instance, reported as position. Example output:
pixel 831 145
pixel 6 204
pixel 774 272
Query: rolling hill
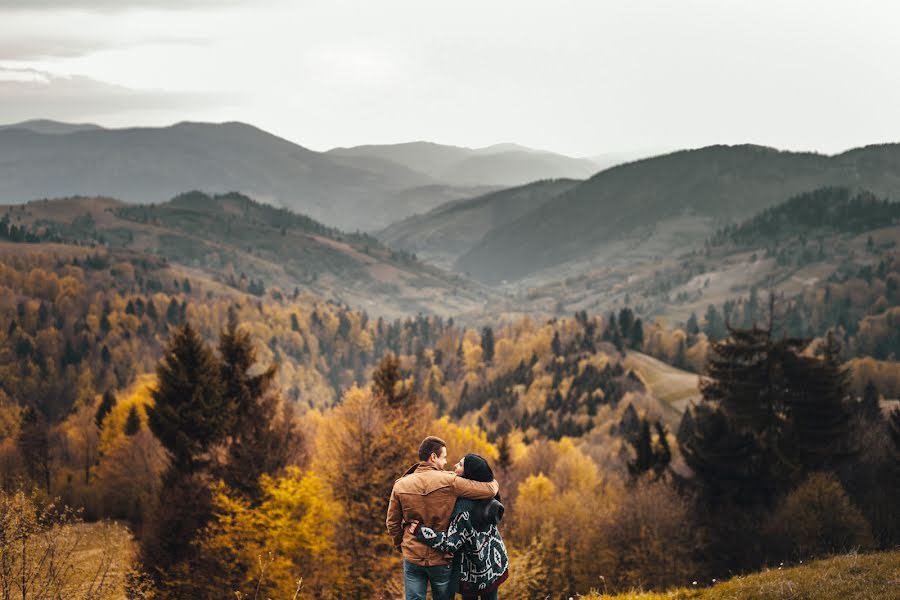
pixel 250 245
pixel 441 235
pixel 709 187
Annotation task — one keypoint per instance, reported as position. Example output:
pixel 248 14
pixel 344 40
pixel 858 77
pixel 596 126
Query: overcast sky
pixel 582 78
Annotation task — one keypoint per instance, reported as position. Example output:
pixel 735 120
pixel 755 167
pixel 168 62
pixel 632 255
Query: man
pixel 427 493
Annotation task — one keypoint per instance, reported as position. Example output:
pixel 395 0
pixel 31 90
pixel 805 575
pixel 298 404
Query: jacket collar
pixel 424 466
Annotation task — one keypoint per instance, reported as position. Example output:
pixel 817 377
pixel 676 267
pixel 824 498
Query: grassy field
pixel 674 388
pixel 850 577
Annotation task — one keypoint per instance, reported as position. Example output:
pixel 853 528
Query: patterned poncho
pixel 484 563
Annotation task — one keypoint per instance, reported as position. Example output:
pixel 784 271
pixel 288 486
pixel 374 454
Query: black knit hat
pixel 475 467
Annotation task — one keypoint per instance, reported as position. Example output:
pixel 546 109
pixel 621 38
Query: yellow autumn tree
pixel 361 448
pixel 288 537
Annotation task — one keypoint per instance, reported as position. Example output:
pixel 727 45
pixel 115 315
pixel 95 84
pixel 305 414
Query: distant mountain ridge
pixel 721 183
pixel 50 127
pixel 500 164
pixel 356 189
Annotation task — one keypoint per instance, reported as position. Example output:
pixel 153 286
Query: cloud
pixel 112 5
pixel 29 93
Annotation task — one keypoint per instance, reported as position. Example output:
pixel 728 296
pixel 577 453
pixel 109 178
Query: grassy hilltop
pixel 874 576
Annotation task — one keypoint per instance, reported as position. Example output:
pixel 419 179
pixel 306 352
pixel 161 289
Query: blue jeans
pixel 416 578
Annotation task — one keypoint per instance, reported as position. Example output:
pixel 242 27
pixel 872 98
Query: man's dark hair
pixel 429 445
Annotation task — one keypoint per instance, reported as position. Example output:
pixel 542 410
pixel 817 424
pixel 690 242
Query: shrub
pixel 816 519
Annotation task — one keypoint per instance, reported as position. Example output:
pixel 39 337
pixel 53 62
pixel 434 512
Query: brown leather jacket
pixel 428 495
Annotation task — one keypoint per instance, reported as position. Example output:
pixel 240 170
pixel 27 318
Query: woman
pixel 480 558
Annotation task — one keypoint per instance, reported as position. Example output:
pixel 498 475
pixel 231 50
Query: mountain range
pixel 362 188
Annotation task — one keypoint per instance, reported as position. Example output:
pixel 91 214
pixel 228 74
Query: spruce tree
pixel 725 461
pixel 107 403
pixel 261 437
pixel 870 408
pixel 746 394
pixel 487 345
pixel 818 404
pixel 189 414
pixel 132 422
pixel 387 383
pixel 33 442
pixel 637 335
pixel 650 455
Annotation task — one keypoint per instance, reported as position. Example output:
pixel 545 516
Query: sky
pixel 583 78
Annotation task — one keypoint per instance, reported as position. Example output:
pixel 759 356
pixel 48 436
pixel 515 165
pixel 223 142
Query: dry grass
pixel 848 577
pixel 674 388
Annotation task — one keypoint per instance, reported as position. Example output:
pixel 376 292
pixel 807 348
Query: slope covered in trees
pixel 239 241
pixel 441 235
pixel 718 182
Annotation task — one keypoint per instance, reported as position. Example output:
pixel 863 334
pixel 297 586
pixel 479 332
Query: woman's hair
pixel 475 467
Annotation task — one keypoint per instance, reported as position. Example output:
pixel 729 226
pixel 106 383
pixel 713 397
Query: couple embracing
pixel 445 524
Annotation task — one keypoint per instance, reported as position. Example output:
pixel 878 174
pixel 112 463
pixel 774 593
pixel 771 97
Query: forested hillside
pixel 717 183
pixel 248 245
pixel 441 235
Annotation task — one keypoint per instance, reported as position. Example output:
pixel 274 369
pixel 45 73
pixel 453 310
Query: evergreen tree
pixel 637 335
pixel 714 326
pixel 261 439
pixel 556 344
pixel 487 345
pixel 725 461
pixel 388 385
pixel 818 403
pixel 189 414
pixel 626 322
pixel 692 327
pixel 504 453
pixel 870 408
pixel 133 422
pixel 33 441
pixel 107 403
pixel 746 393
pixel 651 455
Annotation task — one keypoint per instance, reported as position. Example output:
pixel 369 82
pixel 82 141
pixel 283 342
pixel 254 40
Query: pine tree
pixel 556 344
pixel 189 414
pixel 504 453
pixel 746 394
pixel 726 462
pixel 106 405
pixel 818 404
pixel 487 345
pixel 33 441
pixel 651 455
pixel 692 327
pixel 388 385
pixel 637 335
pixel 870 408
pixel 261 440
pixel 133 422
